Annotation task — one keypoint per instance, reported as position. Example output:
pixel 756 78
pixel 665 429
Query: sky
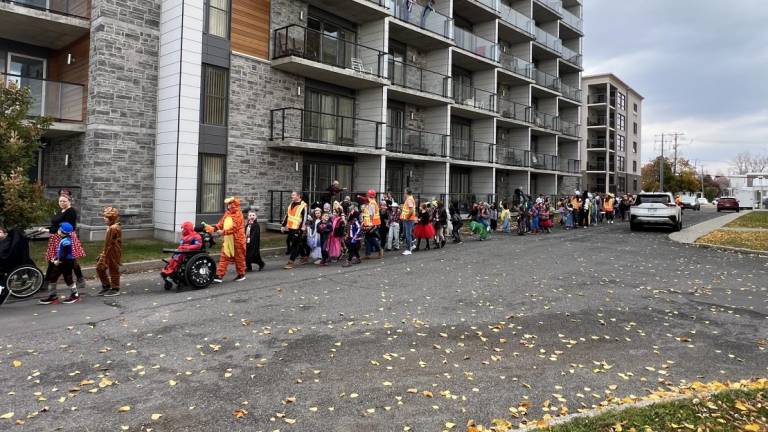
pixel 702 66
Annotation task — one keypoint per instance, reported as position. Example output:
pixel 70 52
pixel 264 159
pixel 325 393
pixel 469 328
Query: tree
pixel 686 179
pixel 22 203
pixel 741 163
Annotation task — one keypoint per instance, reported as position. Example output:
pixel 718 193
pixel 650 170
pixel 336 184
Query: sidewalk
pixel 691 234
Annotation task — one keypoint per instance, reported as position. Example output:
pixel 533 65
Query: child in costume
pixel 108 264
pixel 354 236
pixel 232 230
pixel 190 240
pixel 253 242
pixel 62 265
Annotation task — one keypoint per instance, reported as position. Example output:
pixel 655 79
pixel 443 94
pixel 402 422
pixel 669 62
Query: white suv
pixel 655 208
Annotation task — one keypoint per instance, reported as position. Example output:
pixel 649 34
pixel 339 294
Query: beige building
pixel 611 140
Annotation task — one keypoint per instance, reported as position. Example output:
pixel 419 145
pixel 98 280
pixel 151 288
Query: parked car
pixel 690 202
pixel 727 203
pixel 655 208
pixel 703 201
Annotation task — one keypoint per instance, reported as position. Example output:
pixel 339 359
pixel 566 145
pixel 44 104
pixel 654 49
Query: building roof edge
pixel 611 75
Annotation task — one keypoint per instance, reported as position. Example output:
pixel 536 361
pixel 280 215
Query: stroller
pixel 19 276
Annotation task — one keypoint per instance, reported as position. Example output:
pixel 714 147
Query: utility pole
pixel 674 146
pixel 661 166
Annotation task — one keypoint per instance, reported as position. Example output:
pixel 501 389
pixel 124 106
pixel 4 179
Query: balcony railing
pixel 571 56
pixel 73 8
pixel 572 166
pixel 599 143
pixel 572 20
pixel 555 6
pixel 418 15
pixel 516 65
pixel 411 141
pixel 417 78
pixel 570 128
pixel 295 40
pixel 476 44
pixel 511 156
pixel 493 4
pixel 544 161
pixel 468 150
pixel 596 166
pixel 571 93
pixel 597 99
pixel 515 19
pixel 474 97
pixel 601 121
pixel 544 120
pixel 61 101
pixel 513 110
pixel 546 80
pixel 548 40
pixel 312 126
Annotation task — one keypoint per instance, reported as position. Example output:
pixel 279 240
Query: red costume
pixel 190 240
pixel 232 227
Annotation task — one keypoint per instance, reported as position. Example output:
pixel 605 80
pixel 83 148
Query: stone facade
pixel 57 175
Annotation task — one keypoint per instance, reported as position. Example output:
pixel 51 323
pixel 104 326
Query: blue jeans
pixel 408 231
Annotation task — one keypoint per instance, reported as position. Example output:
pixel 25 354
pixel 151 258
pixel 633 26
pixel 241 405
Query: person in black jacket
pixel 252 242
pixel 67 214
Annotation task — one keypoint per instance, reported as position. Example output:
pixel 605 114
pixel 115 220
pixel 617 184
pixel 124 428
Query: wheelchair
pixel 197 269
pixel 19 276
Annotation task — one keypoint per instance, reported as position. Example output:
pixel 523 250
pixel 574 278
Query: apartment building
pixel 611 140
pixel 164 107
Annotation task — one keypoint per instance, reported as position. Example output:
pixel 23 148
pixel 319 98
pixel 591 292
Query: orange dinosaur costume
pixel 232 230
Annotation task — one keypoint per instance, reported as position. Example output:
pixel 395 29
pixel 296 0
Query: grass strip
pixel 755 219
pixel 753 240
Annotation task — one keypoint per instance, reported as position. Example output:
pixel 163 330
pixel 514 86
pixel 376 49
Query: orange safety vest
pixel 408 213
pixel 575 203
pixel 608 206
pixel 294 215
pixel 376 216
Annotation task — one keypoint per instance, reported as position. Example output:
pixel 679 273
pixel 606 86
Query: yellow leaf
pixel 123 409
pixel 156 416
pixel 752 427
pixel 171 382
pixel 427 393
pixel 105 382
pixel 16 363
pixel 740 406
pixel 289 421
pixel 450 425
pixel 239 413
pixel 7 416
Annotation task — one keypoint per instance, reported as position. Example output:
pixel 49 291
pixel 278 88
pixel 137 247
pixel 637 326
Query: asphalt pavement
pixel 558 322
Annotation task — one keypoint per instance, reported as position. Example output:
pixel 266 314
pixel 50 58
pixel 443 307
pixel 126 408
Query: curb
pixel 763 254
pixel 710 225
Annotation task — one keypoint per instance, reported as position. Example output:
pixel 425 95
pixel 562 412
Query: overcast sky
pixel 702 66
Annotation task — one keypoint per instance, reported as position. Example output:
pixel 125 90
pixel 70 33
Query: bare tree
pixel 741 163
pixel 758 164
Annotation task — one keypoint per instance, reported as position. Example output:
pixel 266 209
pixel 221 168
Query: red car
pixel 727 203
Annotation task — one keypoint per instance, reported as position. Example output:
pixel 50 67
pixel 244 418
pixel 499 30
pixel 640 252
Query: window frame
pixel 204 95
pixel 621 143
pixel 223 186
pixel 634 147
pixel 621 122
pixel 207 19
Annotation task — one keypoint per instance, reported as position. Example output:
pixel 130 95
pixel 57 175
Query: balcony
pixel 478 99
pixel 435 87
pixel 544 120
pixel 543 161
pixel 573 21
pixel 476 45
pixel 62 102
pixel 512 156
pixel 474 151
pixel 298 128
pixel 548 40
pixel 426 19
pixel 544 79
pixel 572 166
pixel 600 143
pixel 571 129
pixel 306 52
pixel 571 93
pixel 416 142
pixel 516 65
pixel 601 121
pixel 554 6
pixel 572 57
pixel 597 99
pixel 510 109
pixel 51 24
pixel 600 166
pixel 357 11
pixel 516 20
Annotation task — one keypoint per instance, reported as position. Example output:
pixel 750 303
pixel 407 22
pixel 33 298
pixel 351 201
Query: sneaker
pixel 288 266
pixel 406 252
pixel 168 285
pixel 51 299
pixel 346 264
pixel 240 278
pixel 217 280
pixel 261 267
pixel 104 290
pixel 112 293
pixel 73 298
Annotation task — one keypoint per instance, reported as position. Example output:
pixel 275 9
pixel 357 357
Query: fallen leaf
pixel 16 363
pixel 156 416
pixel 7 416
pixel 124 409
pixel 239 413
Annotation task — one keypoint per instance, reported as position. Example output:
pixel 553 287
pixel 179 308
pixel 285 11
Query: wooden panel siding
pixel 77 72
pixel 250 27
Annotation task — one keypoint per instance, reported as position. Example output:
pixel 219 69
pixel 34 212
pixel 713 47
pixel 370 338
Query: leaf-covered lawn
pixel 755 219
pixel 753 240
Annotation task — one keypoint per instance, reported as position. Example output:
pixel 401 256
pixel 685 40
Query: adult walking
pixel 408 216
pixel 608 208
pixel 293 224
pixel 232 228
pixel 67 214
pixel 371 215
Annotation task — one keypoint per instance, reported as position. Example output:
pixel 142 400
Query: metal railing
pixel 312 126
pixel 516 19
pixel 572 20
pixel 597 99
pixel 571 93
pixel 543 161
pixel 516 65
pixel 572 166
pixel 493 4
pixel 569 128
pixel 513 110
pixel 73 8
pixel 599 143
pixel 417 78
pixel 475 44
pixel 571 56
pixel 555 6
pixel 544 120
pixel 411 141
pixel 59 100
pixel 548 40
pixel 512 156
pixel 600 166
pixel 476 151
pixel 299 41
pixel 601 120
pixel 474 97
pixel 546 80
pixel 424 17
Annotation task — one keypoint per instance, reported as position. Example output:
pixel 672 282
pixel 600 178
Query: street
pixel 563 320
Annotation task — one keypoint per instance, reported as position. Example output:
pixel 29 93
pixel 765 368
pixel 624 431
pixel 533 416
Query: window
pixel 634 166
pixel 634 146
pixel 620 161
pixel 215 90
pixel 634 127
pixel 217 19
pixel 621 101
pixel 622 122
pixel 634 185
pixel 621 143
pixel 210 183
pixel 634 108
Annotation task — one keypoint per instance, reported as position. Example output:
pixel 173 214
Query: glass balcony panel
pixel 61 101
pixel 548 40
pixel 417 78
pixel 324 128
pixel 411 141
pixel 421 16
pixel 515 18
pixel 572 20
pixel 476 44
pixel 516 65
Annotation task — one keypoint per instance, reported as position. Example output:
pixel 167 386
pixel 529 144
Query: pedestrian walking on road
pixel 293 224
pixel 67 214
pixel 108 264
pixel 253 242
pixel 408 215
pixel 62 265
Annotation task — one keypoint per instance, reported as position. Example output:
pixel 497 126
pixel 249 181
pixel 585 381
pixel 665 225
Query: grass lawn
pixel 731 410
pixel 141 249
pixel 755 219
pixel 755 240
